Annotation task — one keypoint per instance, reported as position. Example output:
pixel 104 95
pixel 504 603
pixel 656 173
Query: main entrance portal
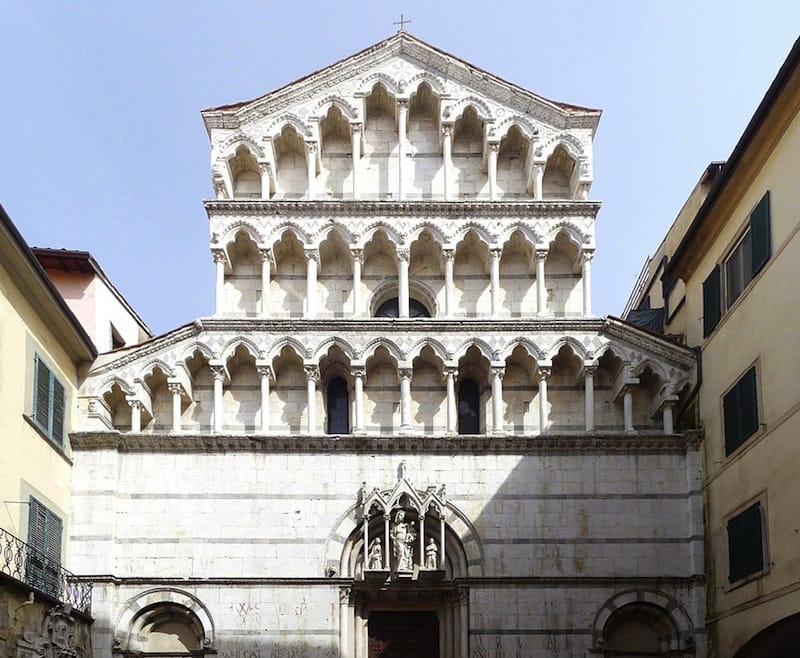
pixel 403 635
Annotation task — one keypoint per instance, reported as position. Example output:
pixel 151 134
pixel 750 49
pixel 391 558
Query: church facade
pixel 403 431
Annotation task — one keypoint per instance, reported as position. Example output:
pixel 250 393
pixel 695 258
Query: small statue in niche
pixel 431 555
pixel 403 536
pixel 375 557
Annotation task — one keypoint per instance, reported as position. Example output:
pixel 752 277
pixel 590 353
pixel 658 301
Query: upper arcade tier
pixel 401 121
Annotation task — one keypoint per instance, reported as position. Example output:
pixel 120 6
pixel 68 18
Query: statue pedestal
pixel 376 574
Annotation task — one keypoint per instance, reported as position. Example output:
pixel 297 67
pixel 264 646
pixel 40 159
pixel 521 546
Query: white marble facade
pixel 403 420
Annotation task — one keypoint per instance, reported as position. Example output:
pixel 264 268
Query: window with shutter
pixel 711 302
pixel 740 411
pixel 746 543
pixel 43 563
pixel 49 402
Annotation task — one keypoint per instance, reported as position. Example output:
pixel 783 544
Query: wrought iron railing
pixel 24 563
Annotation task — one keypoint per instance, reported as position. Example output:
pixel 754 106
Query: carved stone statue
pixel 403 536
pixel 375 557
pixel 431 555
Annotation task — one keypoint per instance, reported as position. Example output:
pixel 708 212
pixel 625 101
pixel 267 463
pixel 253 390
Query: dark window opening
pixel 745 543
pixel 391 309
pixel 740 411
pixel 117 340
pixel 468 407
pixel 338 407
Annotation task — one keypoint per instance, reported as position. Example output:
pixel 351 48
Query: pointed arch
pixel 204 350
pixel 436 84
pixel 481 345
pixel 571 144
pixel 281 229
pixel 347 110
pixel 531 348
pixel 436 231
pixel 528 231
pixel 368 84
pixel 391 347
pixel 152 364
pixel 438 349
pixel 302 128
pixel 391 232
pixel 229 147
pixel 240 226
pixel 287 341
pixel 578 349
pixel 573 232
pixel 342 229
pixel 456 111
pixel 322 349
pixel 108 383
pixel 480 231
pixel 527 128
pixel 656 367
pixel 249 344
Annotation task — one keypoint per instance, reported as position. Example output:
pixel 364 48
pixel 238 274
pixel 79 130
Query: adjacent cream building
pixel 43 352
pixel 726 280
pixel 403 432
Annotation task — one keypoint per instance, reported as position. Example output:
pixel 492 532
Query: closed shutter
pixel 740 411
pixel 760 235
pixel 733 427
pixel 745 543
pixel 58 412
pixel 748 397
pixel 711 301
pixel 41 402
pixel 43 565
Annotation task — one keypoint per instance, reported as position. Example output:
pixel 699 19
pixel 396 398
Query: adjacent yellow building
pixel 726 280
pixel 43 349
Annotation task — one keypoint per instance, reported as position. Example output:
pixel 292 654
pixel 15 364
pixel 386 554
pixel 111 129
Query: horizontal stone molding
pixel 616 443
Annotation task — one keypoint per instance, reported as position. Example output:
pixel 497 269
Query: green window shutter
pixel 745 543
pixel 58 412
pixel 43 563
pixel 748 398
pixel 731 408
pixel 760 235
pixel 711 301
pixel 41 395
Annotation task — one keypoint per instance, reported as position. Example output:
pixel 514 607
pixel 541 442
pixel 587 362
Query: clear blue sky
pixel 103 147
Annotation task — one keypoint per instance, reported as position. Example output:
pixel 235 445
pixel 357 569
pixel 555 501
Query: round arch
pixel 158 604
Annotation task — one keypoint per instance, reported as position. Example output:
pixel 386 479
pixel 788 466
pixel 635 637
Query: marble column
pixel 627 408
pixel 405 398
pixel 586 278
pixel 447 157
pixel 403 258
pixel 365 520
pixel 387 519
pixel 219 263
pixel 312 261
pixel 588 382
pixel 538 178
pixel 358 260
pixel 359 375
pixel 266 265
pixel 452 414
pixel 441 540
pixel 496 254
pixel 449 256
pixel 544 415
pixel 266 178
pixel 312 379
pixel 311 168
pixel 541 290
pixel 265 374
pixel 493 148
pixel 355 135
pixel 218 371
pixel 345 620
pixel 402 120
pixel 136 415
pixel 668 421
pixel 497 398
pixel 176 389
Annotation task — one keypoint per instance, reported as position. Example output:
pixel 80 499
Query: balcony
pixel 31 567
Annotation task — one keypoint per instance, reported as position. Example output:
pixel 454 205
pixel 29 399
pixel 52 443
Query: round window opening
pixel 391 309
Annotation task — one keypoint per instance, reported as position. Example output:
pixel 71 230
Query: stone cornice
pixel 655 344
pixel 548 210
pixel 556 444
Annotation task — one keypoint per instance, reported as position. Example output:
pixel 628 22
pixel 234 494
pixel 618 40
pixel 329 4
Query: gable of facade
pixel 403 426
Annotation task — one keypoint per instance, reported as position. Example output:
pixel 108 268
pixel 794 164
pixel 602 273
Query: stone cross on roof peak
pixel 402 23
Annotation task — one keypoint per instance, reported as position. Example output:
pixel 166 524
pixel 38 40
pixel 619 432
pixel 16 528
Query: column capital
pixel 311 254
pixel 498 371
pixel 587 255
pixel 450 371
pixel 358 372
pixel 541 254
pixel 493 147
pixel 538 168
pixel 447 130
pixel 404 253
pixel 355 127
pixel 589 370
pixel 405 373
pixel 218 372
pixel 265 168
pixel 496 252
pixel 358 254
pixel 219 255
pixel 311 371
pixel 135 404
pixel 175 388
pixel 402 103
pixel 345 594
pixel 449 254
pixel 311 148
pixel 265 253
pixel 543 372
pixel 265 371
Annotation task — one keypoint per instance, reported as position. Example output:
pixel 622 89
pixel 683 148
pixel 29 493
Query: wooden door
pixel 403 635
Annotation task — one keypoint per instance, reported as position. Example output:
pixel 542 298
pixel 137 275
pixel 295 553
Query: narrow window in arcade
pixel 338 407
pixel 48 402
pixel 391 309
pixel 468 407
pixel 746 543
pixel 42 565
pixel 739 267
pixel 740 411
